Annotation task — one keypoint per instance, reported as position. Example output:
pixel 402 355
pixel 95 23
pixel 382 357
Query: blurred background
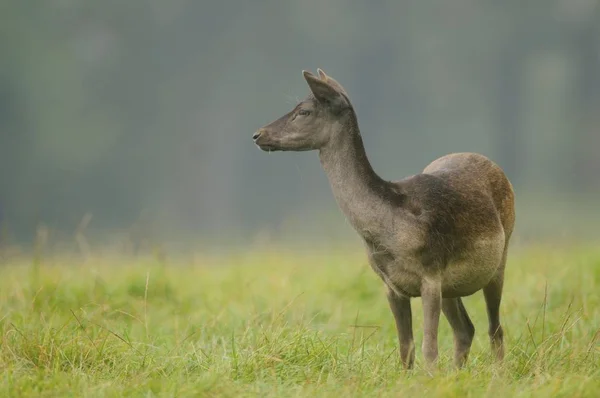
pixel 131 122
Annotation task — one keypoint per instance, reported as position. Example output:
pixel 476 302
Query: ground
pixel 282 323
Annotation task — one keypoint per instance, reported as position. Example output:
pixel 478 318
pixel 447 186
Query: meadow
pixel 282 323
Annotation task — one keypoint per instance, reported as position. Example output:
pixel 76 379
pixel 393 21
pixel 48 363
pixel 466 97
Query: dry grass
pixel 282 323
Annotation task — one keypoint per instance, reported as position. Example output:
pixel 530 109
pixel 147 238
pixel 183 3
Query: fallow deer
pixel 440 235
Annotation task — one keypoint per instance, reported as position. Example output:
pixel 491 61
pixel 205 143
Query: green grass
pixel 282 324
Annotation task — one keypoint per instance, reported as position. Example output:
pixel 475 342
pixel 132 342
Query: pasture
pixel 282 323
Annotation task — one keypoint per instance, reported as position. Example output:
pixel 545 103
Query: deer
pixel 440 235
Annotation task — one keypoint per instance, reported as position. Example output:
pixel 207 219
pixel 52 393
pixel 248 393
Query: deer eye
pixel 303 112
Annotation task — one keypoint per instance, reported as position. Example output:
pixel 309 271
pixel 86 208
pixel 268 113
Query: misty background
pixel 133 120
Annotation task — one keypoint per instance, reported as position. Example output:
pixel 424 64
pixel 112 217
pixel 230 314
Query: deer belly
pixel 471 273
pixel 404 281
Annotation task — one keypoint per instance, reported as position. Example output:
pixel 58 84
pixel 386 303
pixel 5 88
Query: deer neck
pixel 358 190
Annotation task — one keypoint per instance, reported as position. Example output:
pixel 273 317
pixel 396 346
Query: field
pixel 282 323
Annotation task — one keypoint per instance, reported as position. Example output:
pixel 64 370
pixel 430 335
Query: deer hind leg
pixel 462 327
pixel 493 295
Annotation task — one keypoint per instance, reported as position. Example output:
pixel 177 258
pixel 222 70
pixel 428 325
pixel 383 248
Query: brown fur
pixel 440 235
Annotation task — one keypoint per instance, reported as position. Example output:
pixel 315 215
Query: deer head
pixel 314 123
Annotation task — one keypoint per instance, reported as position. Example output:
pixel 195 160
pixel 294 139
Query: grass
pixel 282 324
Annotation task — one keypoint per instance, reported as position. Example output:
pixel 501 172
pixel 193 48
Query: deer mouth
pixel 267 148
pixel 265 144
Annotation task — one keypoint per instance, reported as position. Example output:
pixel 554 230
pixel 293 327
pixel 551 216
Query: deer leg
pixel 493 295
pixel 462 327
pixel 400 307
pixel 431 295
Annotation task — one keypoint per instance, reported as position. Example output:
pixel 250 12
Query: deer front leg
pixel 431 295
pixel 400 307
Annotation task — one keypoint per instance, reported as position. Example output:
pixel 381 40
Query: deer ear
pixel 324 92
pixel 322 74
pixel 331 81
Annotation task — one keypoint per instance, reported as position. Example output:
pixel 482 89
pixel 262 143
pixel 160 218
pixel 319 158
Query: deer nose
pixel 256 135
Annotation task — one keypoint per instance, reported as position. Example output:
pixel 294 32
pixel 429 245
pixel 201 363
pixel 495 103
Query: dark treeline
pixel 143 110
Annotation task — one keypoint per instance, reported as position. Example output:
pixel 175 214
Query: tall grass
pixel 282 323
